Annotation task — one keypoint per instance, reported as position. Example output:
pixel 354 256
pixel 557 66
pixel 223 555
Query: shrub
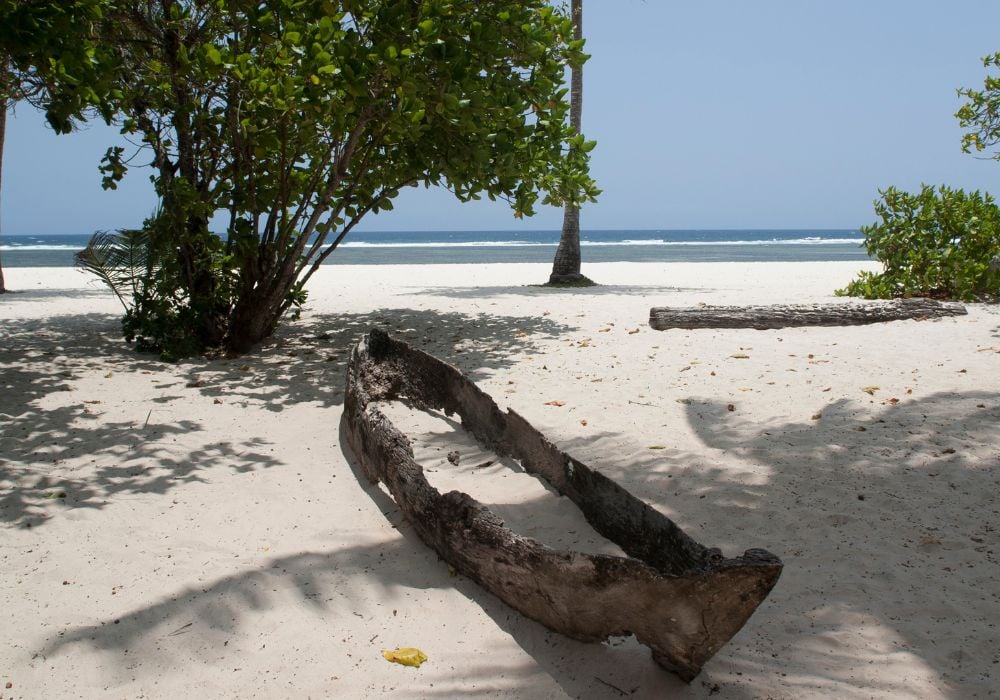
pixel 938 243
pixel 142 273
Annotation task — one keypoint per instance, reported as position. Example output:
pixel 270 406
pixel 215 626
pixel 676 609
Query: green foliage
pixel 981 114
pixel 294 119
pixel 71 64
pixel 938 243
pixel 130 265
pixel 121 260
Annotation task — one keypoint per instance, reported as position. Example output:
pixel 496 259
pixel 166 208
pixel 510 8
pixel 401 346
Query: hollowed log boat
pixel 680 598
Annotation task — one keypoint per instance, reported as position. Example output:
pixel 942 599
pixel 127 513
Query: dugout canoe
pixel 681 599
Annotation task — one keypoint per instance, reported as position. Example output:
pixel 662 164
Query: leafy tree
pixel 981 114
pixel 566 264
pixel 294 119
pixel 938 243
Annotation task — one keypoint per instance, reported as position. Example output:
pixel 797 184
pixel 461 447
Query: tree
pixel 935 243
pixel 291 120
pixel 981 114
pixel 4 106
pixel 13 87
pixel 11 90
pixel 566 264
pixel 940 242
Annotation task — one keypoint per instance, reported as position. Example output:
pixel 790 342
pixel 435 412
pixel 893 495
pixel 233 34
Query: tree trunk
pixel 254 318
pixel 682 599
pixel 4 103
pixel 769 317
pixel 566 265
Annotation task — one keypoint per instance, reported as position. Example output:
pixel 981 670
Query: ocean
pixel 471 247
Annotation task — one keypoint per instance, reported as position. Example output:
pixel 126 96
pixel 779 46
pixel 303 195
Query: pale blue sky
pixel 710 114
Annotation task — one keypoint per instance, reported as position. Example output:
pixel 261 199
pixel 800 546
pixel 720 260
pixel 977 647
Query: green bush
pixel 938 243
pixel 142 272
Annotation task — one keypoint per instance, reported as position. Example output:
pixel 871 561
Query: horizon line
pixel 533 230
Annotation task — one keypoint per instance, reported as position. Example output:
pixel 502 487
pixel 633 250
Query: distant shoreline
pixel 489 247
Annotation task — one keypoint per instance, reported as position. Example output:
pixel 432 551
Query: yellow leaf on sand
pixel 408 656
pixel 870 390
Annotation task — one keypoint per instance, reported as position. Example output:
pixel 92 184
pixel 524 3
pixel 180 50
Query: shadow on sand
pixel 42 358
pixel 340 582
pixel 836 499
pixel 41 362
pixel 884 521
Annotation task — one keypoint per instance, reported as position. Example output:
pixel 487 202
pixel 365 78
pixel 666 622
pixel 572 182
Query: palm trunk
pixel 4 102
pixel 566 265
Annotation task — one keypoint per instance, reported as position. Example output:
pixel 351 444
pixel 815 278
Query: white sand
pixel 214 540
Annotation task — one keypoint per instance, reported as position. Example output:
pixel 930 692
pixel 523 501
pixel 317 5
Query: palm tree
pixel 4 104
pixel 566 265
pixel 15 86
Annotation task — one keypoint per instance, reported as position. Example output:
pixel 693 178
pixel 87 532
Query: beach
pixel 200 529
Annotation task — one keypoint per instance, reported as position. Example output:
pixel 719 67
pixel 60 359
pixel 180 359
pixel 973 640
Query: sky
pixel 716 114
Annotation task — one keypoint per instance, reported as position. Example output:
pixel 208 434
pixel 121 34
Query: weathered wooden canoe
pixel 683 600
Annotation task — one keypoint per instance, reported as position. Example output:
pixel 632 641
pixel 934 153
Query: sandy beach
pixel 200 529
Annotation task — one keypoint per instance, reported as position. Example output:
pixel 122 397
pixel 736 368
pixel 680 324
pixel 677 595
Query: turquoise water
pixel 481 247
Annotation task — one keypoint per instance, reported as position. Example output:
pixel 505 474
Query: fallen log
pixel 663 318
pixel 682 599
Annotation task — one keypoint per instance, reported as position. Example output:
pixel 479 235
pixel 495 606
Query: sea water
pixel 482 247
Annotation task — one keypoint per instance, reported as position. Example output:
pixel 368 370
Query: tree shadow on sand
pixel 303 363
pixel 348 581
pixel 306 361
pixel 477 343
pixel 887 524
pixel 41 362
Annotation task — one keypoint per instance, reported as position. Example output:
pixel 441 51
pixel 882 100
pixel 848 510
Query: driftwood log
pixel 682 599
pixel 663 318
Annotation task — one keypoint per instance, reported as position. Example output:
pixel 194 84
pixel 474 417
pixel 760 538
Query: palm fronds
pixel 122 260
